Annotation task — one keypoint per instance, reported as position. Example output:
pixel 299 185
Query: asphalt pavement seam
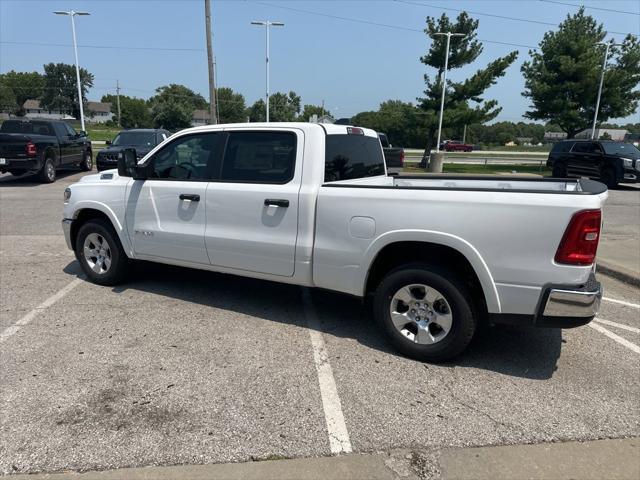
pixel 622 341
pixel 26 319
pixel 339 441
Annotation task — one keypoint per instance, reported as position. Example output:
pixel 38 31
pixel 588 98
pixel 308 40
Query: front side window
pixel 352 156
pixel 70 131
pixel 259 157
pixel 192 157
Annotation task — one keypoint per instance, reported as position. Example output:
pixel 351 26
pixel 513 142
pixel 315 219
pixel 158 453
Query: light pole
pixel 604 67
pixel 444 80
pixel 72 14
pixel 267 24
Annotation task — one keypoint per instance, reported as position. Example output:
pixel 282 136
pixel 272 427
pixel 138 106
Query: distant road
pixel 415 152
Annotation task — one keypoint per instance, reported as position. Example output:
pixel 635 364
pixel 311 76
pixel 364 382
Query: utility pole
pixel 322 109
pixel 604 67
pixel 213 108
pixel 464 133
pixel 267 24
pixel 72 14
pixel 444 80
pixel 118 102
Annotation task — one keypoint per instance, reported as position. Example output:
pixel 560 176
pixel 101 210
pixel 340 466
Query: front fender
pixel 428 236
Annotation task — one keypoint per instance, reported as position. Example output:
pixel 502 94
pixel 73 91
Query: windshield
pixel 138 139
pixel 621 149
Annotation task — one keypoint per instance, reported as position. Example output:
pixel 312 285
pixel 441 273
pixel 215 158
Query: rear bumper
pixel 30 164
pixel 560 307
pixel 66 228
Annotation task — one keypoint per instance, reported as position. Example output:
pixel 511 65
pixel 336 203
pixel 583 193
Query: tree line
pixel 561 80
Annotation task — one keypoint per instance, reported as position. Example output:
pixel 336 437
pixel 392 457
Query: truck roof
pixel 329 128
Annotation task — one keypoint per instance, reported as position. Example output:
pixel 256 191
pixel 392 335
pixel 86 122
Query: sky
pixel 353 63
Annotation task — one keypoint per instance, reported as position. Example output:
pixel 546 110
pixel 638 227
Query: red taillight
pixel 402 158
pixel 580 241
pixel 31 149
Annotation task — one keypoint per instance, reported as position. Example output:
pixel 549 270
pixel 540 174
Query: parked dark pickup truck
pixel 393 156
pixel 42 146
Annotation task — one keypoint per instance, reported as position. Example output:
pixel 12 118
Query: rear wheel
pixel 87 163
pixel 559 170
pixel 100 253
pixel 608 177
pixel 425 312
pixel 48 172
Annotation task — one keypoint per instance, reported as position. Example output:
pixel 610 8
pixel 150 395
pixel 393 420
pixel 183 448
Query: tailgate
pixel 13 144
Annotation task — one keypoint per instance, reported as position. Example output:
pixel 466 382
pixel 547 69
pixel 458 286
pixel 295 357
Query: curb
pixel 618 273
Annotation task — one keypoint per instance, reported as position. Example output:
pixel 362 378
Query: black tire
pixel 87 162
pixel 119 263
pixel 454 292
pixel 559 170
pixel 47 173
pixel 609 178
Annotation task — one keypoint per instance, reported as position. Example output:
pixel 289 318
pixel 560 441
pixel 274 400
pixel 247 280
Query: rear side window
pixel 259 157
pixel 352 156
pixel 562 147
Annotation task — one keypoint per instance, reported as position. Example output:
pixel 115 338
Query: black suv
pixel 142 139
pixel 605 160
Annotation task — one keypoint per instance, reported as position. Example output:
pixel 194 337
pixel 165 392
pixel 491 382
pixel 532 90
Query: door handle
pixel 276 202
pixel 190 196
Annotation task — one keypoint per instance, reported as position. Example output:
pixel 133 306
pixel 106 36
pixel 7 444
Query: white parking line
pixel 621 302
pixel 617 325
pixel 11 330
pixel 339 441
pixel 617 338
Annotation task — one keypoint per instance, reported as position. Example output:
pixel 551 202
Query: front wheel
pixel 100 253
pixel 87 163
pixel 425 312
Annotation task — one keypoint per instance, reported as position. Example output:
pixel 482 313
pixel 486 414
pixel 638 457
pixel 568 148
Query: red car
pixel 455 146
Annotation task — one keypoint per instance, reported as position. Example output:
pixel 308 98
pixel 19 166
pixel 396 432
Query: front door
pixel 73 145
pixel 252 211
pixel 166 212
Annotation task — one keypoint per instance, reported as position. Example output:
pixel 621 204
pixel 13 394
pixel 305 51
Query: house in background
pixel 33 109
pixel 553 137
pixel 98 112
pixel 200 117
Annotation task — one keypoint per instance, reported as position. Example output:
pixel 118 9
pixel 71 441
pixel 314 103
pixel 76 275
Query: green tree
pixel 310 110
pixel 231 106
pixel 283 107
pixel 135 111
pixel 173 105
pixel 61 90
pixel 458 110
pixel 18 87
pixel 401 121
pixel 562 77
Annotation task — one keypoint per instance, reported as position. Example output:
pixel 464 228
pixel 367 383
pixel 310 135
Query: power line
pixel 378 24
pixel 502 17
pixel 104 46
pixel 591 8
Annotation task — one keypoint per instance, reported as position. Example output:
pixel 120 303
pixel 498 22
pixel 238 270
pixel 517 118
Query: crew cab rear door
pixel 252 210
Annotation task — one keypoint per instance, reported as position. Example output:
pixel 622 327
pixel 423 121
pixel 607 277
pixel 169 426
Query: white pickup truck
pixel 312 205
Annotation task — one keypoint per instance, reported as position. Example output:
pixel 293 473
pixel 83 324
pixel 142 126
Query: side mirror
pixel 108 142
pixel 82 133
pixel 128 164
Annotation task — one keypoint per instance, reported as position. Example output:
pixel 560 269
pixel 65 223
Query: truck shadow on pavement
pixel 31 179
pixel 520 352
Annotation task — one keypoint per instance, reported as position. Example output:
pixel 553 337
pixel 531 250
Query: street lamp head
pixel 58 12
pixel 81 13
pixel 256 22
pixel 277 24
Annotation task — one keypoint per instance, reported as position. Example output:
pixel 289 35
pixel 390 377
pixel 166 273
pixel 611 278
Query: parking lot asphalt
pixel 186 367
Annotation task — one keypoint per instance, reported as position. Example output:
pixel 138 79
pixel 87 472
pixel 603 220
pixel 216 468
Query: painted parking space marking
pixel 617 325
pixel 621 302
pixel 622 341
pixel 339 441
pixel 26 319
